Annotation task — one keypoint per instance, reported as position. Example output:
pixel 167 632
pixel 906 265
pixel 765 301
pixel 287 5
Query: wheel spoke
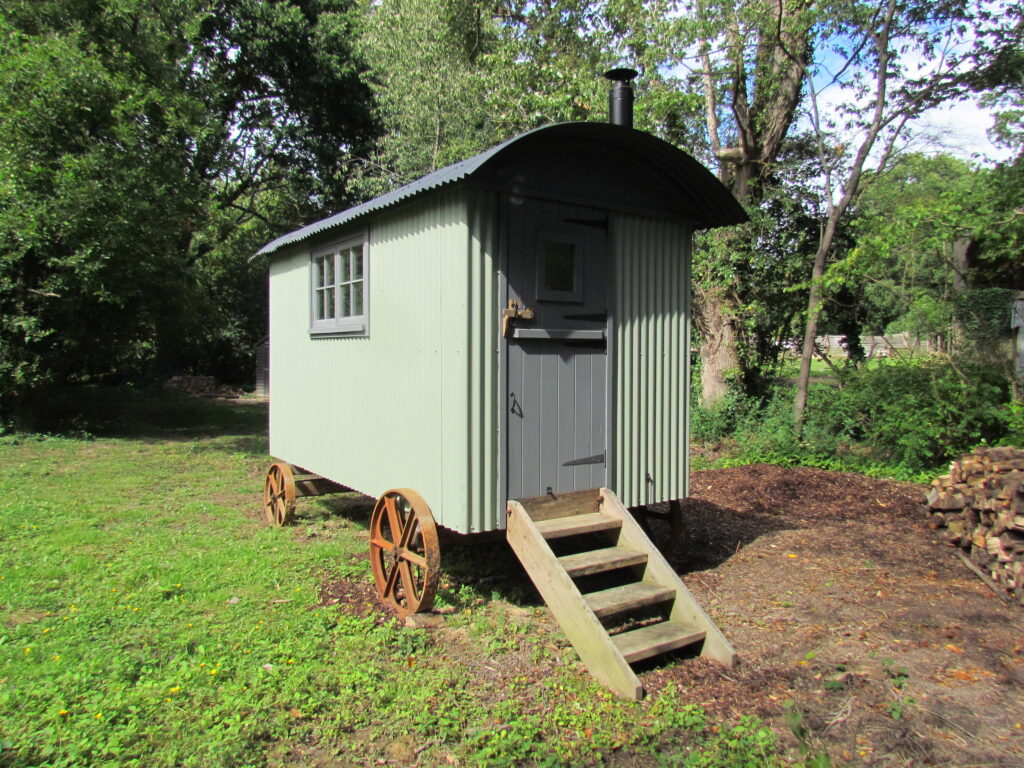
pixel 415 558
pixel 383 543
pixel 389 584
pixel 408 584
pixel 410 529
pixel 393 519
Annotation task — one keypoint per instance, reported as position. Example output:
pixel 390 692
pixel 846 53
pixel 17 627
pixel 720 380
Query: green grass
pixel 147 618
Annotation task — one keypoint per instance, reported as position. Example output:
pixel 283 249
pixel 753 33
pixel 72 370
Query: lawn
pixel 149 618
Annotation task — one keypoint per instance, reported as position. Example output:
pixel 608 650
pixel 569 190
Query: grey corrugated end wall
pixel 652 328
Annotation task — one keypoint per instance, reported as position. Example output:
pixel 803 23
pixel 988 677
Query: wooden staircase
pixel 613 593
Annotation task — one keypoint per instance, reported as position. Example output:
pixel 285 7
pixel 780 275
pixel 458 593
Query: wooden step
pixel 639 644
pixel 609 602
pixel 601 560
pixel 562 504
pixel 586 619
pixel 560 527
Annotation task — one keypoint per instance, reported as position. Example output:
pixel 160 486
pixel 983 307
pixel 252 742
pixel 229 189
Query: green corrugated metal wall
pixel 652 330
pixel 416 403
pixel 413 404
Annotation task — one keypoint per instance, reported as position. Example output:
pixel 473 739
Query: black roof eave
pixel 709 202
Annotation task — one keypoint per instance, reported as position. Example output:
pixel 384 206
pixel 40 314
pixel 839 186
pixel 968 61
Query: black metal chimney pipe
pixel 620 97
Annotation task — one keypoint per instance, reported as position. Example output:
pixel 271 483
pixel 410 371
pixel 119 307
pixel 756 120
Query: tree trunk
pixel 718 354
pixel 810 334
pixel 958 253
pixel 960 266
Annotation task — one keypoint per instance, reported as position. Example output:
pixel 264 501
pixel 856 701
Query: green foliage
pixel 900 418
pixel 902 269
pixel 811 757
pixel 453 78
pixel 983 315
pixel 1015 423
pixel 146 152
pixel 913 414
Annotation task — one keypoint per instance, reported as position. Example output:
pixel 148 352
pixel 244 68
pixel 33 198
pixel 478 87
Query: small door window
pixel 559 270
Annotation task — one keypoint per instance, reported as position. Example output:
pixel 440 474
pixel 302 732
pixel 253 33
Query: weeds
pixel 901 419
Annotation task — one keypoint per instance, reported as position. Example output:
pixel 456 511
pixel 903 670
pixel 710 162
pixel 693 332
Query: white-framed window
pixel 338 295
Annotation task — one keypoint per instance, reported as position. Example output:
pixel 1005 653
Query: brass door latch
pixel 510 314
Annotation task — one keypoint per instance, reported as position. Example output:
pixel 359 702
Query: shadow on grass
pixel 147 414
pixel 353 507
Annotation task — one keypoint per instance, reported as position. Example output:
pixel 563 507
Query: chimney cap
pixel 621 74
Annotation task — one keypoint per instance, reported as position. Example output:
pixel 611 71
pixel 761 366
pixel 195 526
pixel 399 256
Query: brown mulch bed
pixel 840 602
pixel 356 598
pixel 839 599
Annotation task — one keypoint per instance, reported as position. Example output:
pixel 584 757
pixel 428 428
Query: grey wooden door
pixel 557 361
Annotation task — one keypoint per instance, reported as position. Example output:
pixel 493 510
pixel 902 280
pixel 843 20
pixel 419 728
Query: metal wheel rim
pixel 404 551
pixel 279 495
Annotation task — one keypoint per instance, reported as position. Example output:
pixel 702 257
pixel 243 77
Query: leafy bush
pixel 901 418
pixel 912 414
pixel 715 423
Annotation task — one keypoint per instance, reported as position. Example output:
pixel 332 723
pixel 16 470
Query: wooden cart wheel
pixel 279 494
pixel 404 551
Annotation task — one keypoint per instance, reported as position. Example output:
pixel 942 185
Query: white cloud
pixel 960 129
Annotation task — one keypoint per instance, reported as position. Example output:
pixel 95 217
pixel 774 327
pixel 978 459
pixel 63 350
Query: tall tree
pixel 453 77
pixel 912 226
pixel 878 49
pixel 748 57
pixel 137 140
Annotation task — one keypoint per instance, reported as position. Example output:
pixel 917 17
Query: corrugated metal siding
pixel 486 507
pixel 390 410
pixel 651 314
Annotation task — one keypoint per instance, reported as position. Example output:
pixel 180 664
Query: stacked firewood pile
pixel 980 504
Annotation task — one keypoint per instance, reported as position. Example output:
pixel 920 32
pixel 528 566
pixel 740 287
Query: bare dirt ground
pixel 839 598
pixel 841 603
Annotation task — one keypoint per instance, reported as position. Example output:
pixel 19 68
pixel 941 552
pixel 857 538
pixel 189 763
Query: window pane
pixel 357 263
pixel 319 272
pixel 559 272
pixel 343 272
pixel 319 304
pixel 357 298
pixel 329 293
pixel 329 264
pixel 345 291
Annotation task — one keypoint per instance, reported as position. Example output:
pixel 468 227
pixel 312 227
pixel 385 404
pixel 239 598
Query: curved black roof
pixel 707 201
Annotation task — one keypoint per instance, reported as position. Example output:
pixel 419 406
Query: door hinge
pixel 595 459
